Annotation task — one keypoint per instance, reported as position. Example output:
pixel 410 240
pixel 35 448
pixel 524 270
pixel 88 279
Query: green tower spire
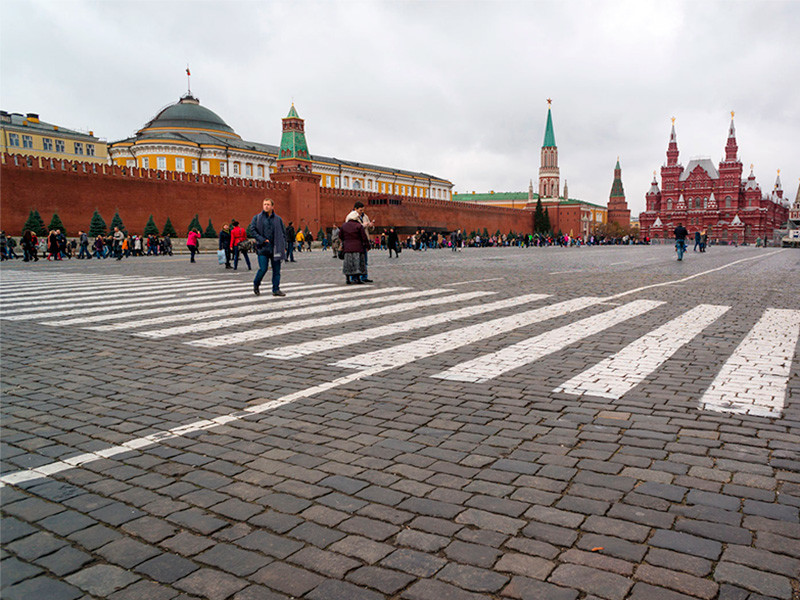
pixel 549 136
pixel 293 140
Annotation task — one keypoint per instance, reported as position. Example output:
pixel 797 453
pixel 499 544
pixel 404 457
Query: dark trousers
pixel 192 251
pixel 227 257
pixel 236 252
pixel 264 261
pixel 290 251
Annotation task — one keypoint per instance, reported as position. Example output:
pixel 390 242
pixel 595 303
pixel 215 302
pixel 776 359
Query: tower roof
pixel 549 136
pixel 292 113
pixel 293 140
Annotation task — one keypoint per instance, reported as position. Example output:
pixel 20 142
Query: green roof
pixel 549 136
pixel 293 141
pixel 292 113
pixel 187 113
pixel 500 196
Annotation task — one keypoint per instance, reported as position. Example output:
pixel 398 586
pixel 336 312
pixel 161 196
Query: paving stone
pixel 376 530
pixel 167 568
pixel 211 584
pixel 41 587
pixel 560 536
pixel 693 565
pixel 762 560
pixel 533 547
pixel 12 529
pixel 364 549
pixel 722 501
pixel 197 520
pixel 327 563
pixel 771 511
pixel 418 540
pixel 413 562
pixel 384 580
pixel 275 521
pixel 481 536
pixel 521 564
pixel 66 522
pixel 35 546
pixel 273 545
pixel 435 526
pixel 102 580
pixel 687 544
pixel 14 571
pixel 116 514
pixel 145 590
pixel 645 591
pixel 472 554
pixel 336 590
pixel 616 528
pixel 187 544
pixel 675 580
pixel 715 531
pixel 288 579
pixel 471 578
pixel 597 560
pixel 593 581
pixel 613 546
pixel 430 508
pixel 766 584
pixel 431 589
pixel 312 533
pixel 94 537
pixel 522 588
pixel 149 529
pixel 259 592
pixel 555 516
pixel 127 552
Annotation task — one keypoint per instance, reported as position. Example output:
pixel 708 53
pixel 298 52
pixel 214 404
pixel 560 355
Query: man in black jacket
pixel 290 233
pixel 225 244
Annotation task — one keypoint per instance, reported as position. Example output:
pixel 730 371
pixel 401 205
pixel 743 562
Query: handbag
pixel 221 257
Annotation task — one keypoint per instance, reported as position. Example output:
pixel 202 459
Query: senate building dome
pixel 188 114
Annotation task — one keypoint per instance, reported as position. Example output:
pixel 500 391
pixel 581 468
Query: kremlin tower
pixel 617 207
pixel 549 186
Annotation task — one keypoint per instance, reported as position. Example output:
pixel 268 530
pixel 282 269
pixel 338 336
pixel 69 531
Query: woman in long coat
pixel 354 245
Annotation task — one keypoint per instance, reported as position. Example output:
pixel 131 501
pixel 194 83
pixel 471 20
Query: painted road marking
pixel 285 352
pixel 618 374
pixel 489 366
pixel 755 377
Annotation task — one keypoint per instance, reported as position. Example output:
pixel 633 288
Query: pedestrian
pixel 225 244
pixel 300 239
pixel 363 219
pixel 697 240
pixel 703 240
pixel 3 245
pixel 84 243
pixel 393 243
pixel 309 239
pixel 290 234
pixel 167 242
pixel 355 245
pixel 336 241
pixel 193 243
pixel 53 252
pixel 118 237
pixel 239 244
pixel 270 234
pixel 680 240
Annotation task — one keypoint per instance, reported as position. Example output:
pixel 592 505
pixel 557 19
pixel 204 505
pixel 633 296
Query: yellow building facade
pixel 28 135
pixel 189 137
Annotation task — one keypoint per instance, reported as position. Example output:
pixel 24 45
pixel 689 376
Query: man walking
pixel 680 240
pixel 270 234
pixel 225 244
pixel 290 243
pixel 84 253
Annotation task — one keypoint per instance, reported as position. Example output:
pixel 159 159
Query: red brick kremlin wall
pixel 75 190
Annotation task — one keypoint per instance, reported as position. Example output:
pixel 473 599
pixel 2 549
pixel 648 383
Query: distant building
pixel 189 138
pixel 617 207
pixel 714 199
pixel 568 215
pixel 28 135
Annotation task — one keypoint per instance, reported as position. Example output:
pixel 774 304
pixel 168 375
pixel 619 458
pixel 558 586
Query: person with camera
pixel 239 245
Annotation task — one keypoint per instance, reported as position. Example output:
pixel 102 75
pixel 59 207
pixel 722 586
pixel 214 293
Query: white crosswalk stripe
pixel 617 375
pixel 755 377
pixel 77 286
pixel 350 317
pixel 492 365
pixel 340 341
pixel 432 345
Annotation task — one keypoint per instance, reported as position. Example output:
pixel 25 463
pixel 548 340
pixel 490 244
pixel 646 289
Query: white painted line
pixel 475 281
pixel 755 377
pixel 690 277
pixel 287 351
pixel 562 272
pixel 231 297
pixel 618 374
pixel 489 366
pixel 300 308
pixel 81 285
pixel 624 262
pixel 218 324
pixel 54 468
pixel 397 356
pixel 350 317
pixel 114 305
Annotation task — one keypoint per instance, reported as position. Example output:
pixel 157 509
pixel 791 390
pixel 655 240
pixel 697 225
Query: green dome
pixel 188 114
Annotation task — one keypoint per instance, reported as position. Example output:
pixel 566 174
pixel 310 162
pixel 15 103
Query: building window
pixel 89 149
pixel 356 184
pixel 369 184
pixel 78 148
pixel 59 145
pixel 669 203
pixel 223 169
pixel 47 144
pixel 327 181
pixel 27 141
pixel 194 166
pixel 13 139
pixel 336 182
pixel 727 202
pixel 146 162
pixel 180 164
pixel 346 182
pixel 261 171
pixel 131 162
pixel 248 170
pixel 161 162
pixel 205 167
pixel 236 168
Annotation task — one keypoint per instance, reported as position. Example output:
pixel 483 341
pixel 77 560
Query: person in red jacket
pixel 238 244
pixel 193 242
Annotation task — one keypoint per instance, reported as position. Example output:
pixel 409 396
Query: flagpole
pixel 188 79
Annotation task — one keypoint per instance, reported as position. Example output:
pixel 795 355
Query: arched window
pixel 705 202
pixel 356 184
pixel 727 201
pixel 669 203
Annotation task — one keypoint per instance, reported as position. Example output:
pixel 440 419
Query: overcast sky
pixel 453 88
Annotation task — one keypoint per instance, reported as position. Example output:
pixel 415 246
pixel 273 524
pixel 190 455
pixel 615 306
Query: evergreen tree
pixel 485 234
pixel 249 231
pixel 546 222
pixel 538 217
pixel 320 234
pixel 56 223
pixel 150 228
pixel 117 222
pixel 35 224
pixel 195 224
pixel 210 232
pixel 97 226
pixel 498 234
pixel 169 229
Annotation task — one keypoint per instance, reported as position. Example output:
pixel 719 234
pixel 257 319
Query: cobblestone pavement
pixel 498 423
